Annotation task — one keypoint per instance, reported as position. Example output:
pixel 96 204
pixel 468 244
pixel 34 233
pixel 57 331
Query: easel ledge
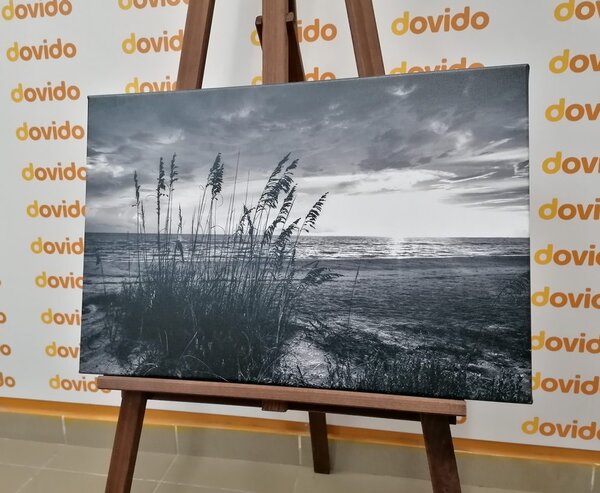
pixel 270 397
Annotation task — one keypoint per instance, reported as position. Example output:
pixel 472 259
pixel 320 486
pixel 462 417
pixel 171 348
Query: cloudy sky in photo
pixel 443 154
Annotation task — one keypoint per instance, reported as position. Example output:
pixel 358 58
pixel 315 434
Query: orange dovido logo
pixel 571 164
pixel 44 51
pixel 50 92
pixel 571 430
pixel 309 33
pixel 559 299
pixel 33 10
pixel 143 4
pixel 54 131
pixel 575 62
pixel 75 384
pixel 445 22
pixel 583 11
pixel 580 344
pixel 156 44
pixel 572 112
pixel 62 210
pixel 69 172
pixel 7 381
pixel 53 317
pixel 551 254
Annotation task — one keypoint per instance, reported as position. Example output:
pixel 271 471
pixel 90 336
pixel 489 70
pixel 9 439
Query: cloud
pixel 469 178
pixel 513 197
pixel 390 180
pixel 439 127
pixel 403 91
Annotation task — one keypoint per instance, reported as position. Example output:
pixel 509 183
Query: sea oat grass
pixel 223 305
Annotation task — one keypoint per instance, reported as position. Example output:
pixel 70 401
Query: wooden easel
pixel 282 62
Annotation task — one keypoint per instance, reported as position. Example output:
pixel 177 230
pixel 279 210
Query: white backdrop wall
pixel 54 53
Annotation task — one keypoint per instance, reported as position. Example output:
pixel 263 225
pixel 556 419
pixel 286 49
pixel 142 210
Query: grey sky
pixel 444 154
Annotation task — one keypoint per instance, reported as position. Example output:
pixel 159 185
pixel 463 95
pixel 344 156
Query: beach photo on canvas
pixel 363 234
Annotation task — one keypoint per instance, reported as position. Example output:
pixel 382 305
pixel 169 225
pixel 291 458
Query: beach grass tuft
pixel 223 305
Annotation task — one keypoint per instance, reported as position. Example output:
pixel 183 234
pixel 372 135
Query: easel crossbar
pixel 367 402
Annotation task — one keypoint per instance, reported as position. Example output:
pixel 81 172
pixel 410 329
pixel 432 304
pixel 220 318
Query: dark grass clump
pixel 472 364
pixel 410 374
pixel 221 303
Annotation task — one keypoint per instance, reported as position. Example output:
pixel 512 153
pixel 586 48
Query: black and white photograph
pixel 363 234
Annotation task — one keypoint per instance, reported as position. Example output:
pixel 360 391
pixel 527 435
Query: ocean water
pixel 119 246
pixel 110 257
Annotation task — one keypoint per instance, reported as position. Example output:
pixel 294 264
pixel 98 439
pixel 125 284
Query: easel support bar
pixel 296 67
pixel 195 44
pixel 365 39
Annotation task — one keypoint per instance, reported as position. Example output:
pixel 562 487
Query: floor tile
pixel 31 427
pixel 149 465
pixel 525 475
pixel 89 460
pixel 89 434
pixel 159 439
pixel 13 477
pixel 23 452
pixel 480 489
pixel 49 481
pixel 186 488
pixel 260 447
pixel 233 474
pixel 309 482
pixel 366 458
pixel 102 433
pixel 142 486
pixel 66 482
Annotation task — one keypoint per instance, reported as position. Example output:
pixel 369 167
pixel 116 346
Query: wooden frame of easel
pixel 282 62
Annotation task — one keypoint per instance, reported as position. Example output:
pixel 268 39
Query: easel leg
pixel 319 443
pixel 440 454
pixel 127 439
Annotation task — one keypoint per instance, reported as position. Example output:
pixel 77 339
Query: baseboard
pixel 163 418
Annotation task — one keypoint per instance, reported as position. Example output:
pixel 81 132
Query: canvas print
pixel 361 234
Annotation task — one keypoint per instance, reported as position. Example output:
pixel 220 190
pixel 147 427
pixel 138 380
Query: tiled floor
pixel 37 467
